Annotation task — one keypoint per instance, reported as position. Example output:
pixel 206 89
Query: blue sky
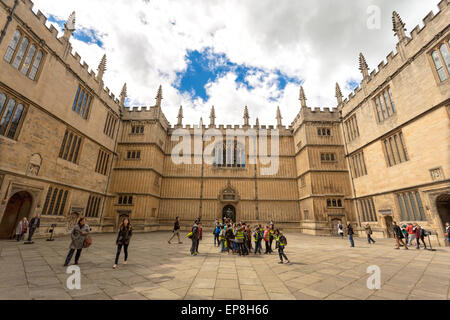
pixel 83 34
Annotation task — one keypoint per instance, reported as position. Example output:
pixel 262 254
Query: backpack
pixel 283 240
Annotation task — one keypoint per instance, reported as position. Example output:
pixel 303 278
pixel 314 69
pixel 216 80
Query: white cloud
pixel 318 41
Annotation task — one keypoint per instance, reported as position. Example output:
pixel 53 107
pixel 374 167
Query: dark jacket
pixel 176 226
pixel 350 230
pixel 368 230
pixel 35 223
pixel 398 232
pixel 124 236
pixel 195 232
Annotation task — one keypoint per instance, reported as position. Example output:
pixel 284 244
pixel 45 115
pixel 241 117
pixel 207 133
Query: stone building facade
pixel 70 148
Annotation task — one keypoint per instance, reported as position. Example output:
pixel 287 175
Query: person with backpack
pixel 281 244
pixel 216 233
pixel 123 240
pixel 176 231
pixel 420 235
pixel 398 234
pixel 78 235
pixel 369 233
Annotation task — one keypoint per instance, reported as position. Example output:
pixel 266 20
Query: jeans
pixel 282 254
pixel 31 233
pixel 258 247
pixel 222 242
pixel 350 237
pixel 369 239
pixel 267 247
pixel 423 241
pixel 70 255
pixel 194 246
pixel 216 240
pixel 119 249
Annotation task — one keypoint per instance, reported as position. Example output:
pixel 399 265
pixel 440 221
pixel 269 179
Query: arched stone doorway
pixel 229 212
pixel 443 208
pixel 18 207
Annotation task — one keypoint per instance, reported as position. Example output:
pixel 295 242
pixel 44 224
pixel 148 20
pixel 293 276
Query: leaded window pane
pixel 36 64
pixel 15 122
pixel 7 116
pixel 12 46
pixel 20 54
pixel 445 56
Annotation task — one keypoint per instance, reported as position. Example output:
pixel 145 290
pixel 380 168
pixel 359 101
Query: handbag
pixel 87 242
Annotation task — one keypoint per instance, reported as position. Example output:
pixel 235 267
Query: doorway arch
pixel 18 207
pixel 229 212
pixel 443 208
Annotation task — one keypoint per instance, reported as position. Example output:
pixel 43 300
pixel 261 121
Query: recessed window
pixel 324 132
pixel 102 162
pixel 334 203
pixel 70 147
pixel 368 211
pixel 395 149
pixel 134 155
pixel 229 155
pixel 358 165
pixel 328 157
pixel 411 207
pixel 55 202
pixel 24 55
pixel 110 125
pixel 125 200
pixel 137 129
pixel 384 105
pixel 11 116
pixel 351 126
pixel 93 206
pixel 82 102
pixel 441 59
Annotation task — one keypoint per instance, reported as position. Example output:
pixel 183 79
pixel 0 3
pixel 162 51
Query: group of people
pixel 409 232
pixel 24 226
pixel 240 238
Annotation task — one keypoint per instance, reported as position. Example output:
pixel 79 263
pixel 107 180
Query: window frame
pixel 4 108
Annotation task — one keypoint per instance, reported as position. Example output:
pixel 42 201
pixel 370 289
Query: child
pixel 281 243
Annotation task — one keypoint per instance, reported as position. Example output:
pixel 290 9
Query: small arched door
pixel 18 207
pixel 229 212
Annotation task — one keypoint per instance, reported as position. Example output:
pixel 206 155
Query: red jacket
pixel 409 228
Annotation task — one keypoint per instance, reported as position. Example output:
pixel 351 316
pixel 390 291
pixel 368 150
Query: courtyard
pixel 321 268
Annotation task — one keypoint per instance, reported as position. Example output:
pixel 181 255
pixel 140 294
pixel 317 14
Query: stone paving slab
pixel 322 268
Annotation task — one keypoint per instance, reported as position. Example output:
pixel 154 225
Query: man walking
pixel 34 224
pixel 369 233
pixel 350 235
pixel 398 234
pixel 281 243
pixel 176 231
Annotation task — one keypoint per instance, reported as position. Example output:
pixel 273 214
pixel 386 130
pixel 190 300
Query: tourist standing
pixel 257 237
pixel 281 244
pixel 350 235
pixel 239 239
pixel 229 235
pixel 411 234
pixel 78 235
pixel 340 230
pixel 123 240
pixel 216 233
pixel 222 238
pixel 22 228
pixel 194 237
pixel 176 231
pixel 398 234
pixel 267 239
pixel 369 233
pixel 34 224
pixel 200 234
pixel 271 236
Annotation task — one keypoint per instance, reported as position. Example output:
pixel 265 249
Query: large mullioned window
pixel 369 214
pixel 441 59
pixel 70 147
pixel 24 55
pixel 229 155
pixel 384 105
pixel 395 149
pixel 411 207
pixel 55 202
pixel 82 102
pixel 93 206
pixel 11 116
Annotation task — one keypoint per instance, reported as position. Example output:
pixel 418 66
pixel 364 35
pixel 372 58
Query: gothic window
pixel 93 206
pixel 125 200
pixel 102 162
pixel 324 132
pixel 82 102
pixel 411 207
pixel 334 203
pixel 351 126
pixel 133 155
pixel 24 55
pixel 395 149
pixel 70 147
pixel 368 211
pixel 137 129
pixel 384 105
pixel 55 202
pixel 229 155
pixel 358 165
pixel 110 125
pixel 11 114
pixel 328 157
pixel 441 59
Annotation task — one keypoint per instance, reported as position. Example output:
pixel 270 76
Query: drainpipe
pixel 341 119
pixel 8 20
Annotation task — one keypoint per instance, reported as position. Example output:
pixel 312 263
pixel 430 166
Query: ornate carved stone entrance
pixel 18 207
pixel 229 199
pixel 229 212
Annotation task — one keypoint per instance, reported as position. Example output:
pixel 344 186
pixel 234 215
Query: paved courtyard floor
pixel 321 268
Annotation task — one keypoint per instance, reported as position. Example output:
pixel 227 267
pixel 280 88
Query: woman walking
pixel 123 240
pixel 78 235
pixel 21 229
pixel 176 231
